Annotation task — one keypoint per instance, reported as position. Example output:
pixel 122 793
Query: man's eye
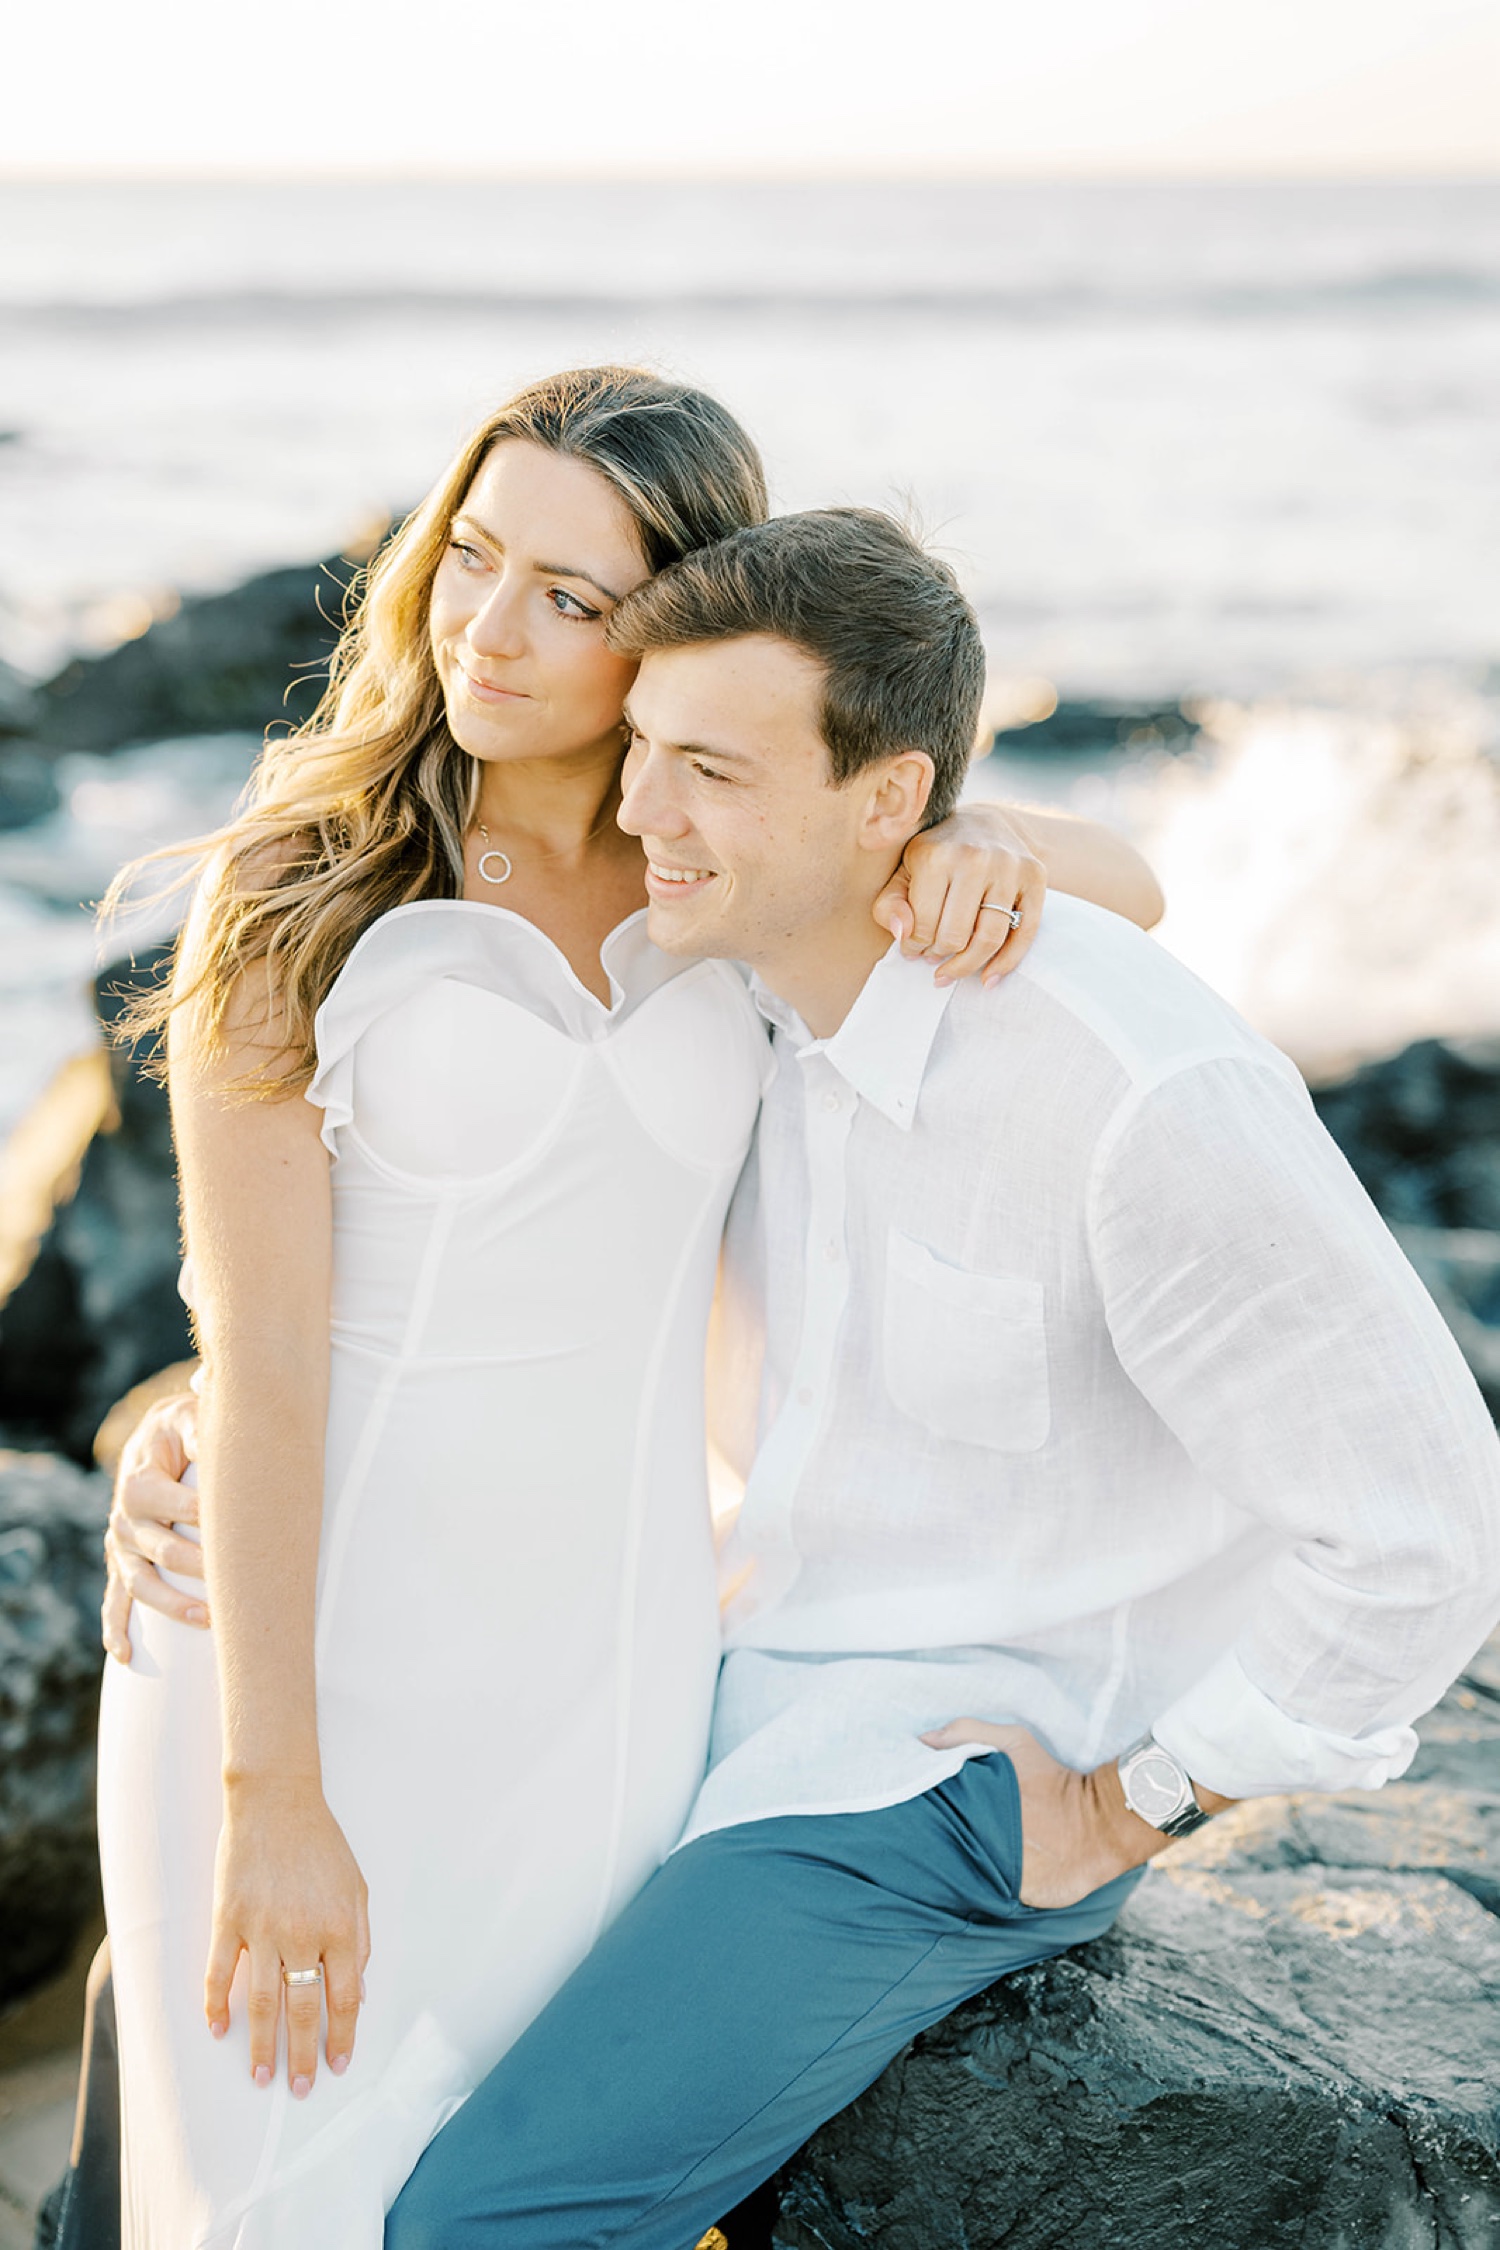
pixel 575 608
pixel 707 772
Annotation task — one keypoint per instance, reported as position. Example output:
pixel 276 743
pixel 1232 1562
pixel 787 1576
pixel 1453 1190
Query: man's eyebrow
pixel 708 750
pixel 543 569
pixel 701 750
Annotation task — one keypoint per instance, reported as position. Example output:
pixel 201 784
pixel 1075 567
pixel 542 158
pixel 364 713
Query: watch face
pixel 1155 1787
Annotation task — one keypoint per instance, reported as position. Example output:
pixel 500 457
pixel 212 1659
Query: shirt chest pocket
pixel 965 1353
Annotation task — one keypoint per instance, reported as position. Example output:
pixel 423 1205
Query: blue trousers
pixel 761 1979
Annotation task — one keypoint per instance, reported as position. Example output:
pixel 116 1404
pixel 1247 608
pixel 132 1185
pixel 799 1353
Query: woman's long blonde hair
pixel 365 806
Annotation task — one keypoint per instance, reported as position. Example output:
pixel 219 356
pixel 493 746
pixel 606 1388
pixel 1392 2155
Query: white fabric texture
pixel 517 1630
pixel 1091 1394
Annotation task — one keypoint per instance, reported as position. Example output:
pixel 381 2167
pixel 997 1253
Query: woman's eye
pixel 559 597
pixel 469 558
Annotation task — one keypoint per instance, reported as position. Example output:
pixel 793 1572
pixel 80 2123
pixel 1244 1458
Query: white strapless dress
pixel 517 1632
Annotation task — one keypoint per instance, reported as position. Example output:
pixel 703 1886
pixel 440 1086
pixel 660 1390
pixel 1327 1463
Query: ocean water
pixel 1227 443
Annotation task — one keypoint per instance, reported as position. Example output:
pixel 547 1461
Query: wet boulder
pixel 1303 2057
pixel 1422 1130
pixel 96 1308
pixel 1291 2037
pixel 221 664
pixel 52 1518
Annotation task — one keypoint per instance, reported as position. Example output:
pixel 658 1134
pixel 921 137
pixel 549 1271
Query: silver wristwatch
pixel 1157 1789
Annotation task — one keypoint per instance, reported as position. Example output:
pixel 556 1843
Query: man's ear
pixel 897 801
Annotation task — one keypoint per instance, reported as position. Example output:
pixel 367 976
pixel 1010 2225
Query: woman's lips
pixel 482 692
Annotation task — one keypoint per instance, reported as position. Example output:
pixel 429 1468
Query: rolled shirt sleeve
pixel 1257 1301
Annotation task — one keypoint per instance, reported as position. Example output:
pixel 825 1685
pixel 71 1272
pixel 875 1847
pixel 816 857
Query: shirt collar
pixel 882 1045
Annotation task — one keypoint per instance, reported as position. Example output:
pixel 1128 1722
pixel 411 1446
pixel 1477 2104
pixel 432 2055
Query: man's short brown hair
pixel 899 645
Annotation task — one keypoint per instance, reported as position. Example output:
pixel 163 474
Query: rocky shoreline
pixel 1291 2036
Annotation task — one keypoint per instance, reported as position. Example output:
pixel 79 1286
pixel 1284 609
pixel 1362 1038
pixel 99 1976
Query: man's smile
pixel 663 881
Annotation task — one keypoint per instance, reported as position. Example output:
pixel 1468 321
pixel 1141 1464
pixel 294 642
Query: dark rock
pixel 52 1519
pixel 1291 2037
pixel 18 701
pixel 1460 1740
pixel 98 1310
pixel 223 663
pixel 1299 2058
pixel 1410 1829
pixel 1080 727
pixel 1460 1268
pixel 28 783
pixel 1422 1130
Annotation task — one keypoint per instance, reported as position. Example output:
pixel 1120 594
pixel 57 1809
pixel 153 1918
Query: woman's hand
pixel 140 1542
pixel 951 899
pixel 287 1891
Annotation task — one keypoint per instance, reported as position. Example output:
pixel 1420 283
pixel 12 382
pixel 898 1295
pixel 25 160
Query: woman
pixel 452 1309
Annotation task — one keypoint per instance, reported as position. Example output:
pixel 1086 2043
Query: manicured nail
pixel 218 2029
pixel 301 2088
pixel 262 2074
pixel 338 2064
pixel 942 977
pixel 196 1615
pixel 990 983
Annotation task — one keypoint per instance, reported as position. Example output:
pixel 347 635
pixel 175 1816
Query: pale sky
pixel 779 87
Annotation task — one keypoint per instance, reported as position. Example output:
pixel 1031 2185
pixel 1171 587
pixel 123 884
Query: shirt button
pixel 804 1396
pixel 832 1103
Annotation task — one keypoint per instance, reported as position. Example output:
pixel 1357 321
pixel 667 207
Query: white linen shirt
pixel 1092 1394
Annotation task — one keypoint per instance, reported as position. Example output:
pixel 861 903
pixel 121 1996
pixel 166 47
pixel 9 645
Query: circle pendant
pixel 484 867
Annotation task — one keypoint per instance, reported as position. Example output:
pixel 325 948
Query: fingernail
pixel 990 983
pixel 301 2088
pixel 262 2074
pixel 218 2029
pixel 196 1616
pixel 338 2064
pixel 942 977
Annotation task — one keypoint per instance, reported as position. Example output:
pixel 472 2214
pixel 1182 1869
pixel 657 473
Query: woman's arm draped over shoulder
pixel 258 1220
pixel 951 897
pixel 1088 860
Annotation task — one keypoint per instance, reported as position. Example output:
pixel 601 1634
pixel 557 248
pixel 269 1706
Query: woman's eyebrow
pixel 568 570
pixel 543 569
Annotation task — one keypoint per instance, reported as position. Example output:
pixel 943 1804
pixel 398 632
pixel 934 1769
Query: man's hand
pixel 1076 1829
pixel 140 1543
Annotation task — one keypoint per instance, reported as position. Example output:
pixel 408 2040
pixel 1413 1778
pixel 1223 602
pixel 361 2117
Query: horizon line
pixel 1079 175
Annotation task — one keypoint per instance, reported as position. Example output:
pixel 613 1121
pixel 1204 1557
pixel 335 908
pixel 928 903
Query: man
pixel 1109 1464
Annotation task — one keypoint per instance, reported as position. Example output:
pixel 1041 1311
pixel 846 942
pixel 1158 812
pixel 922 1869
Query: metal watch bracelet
pixel 1158 1790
